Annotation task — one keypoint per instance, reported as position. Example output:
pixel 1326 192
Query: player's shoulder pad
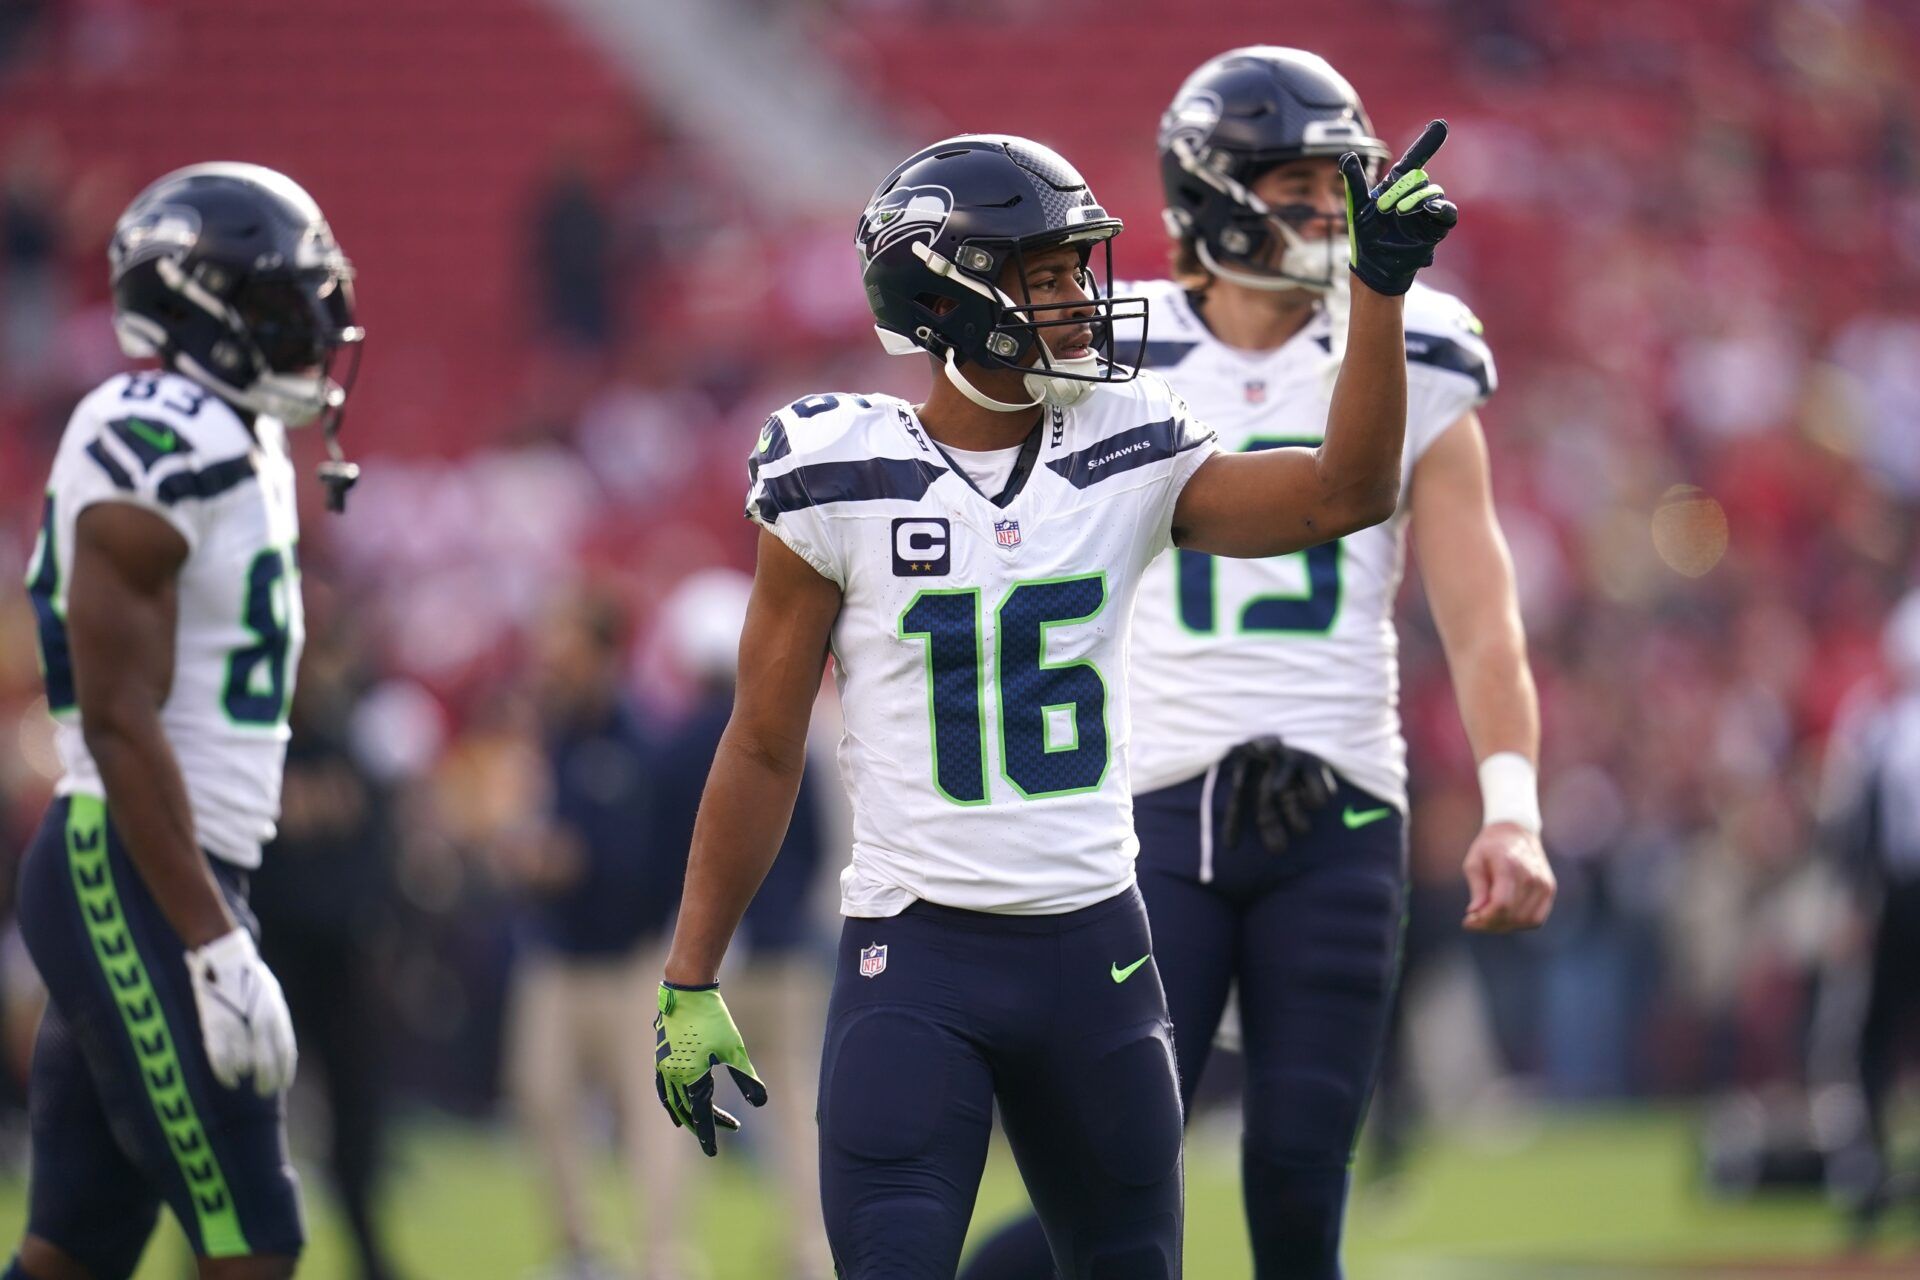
pixel 162 436
pixel 1445 339
pixel 155 417
pixel 1173 332
pixel 1123 426
pixel 823 450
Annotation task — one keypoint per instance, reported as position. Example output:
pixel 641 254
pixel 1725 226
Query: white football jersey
pixel 1302 646
pixel 981 647
pixel 161 442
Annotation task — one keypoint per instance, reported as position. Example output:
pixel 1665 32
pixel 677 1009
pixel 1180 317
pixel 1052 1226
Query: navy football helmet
pixel 1236 117
pixel 229 275
pixel 935 237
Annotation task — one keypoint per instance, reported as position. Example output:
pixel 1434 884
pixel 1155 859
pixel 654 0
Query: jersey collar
pixel 1022 465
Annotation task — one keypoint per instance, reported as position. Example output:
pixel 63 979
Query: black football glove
pixel 1391 230
pixel 1280 785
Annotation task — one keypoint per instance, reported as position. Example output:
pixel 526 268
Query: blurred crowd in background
pixel 1692 232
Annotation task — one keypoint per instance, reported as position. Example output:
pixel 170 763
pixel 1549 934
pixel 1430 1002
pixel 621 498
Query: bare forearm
pixel 1359 461
pixel 1494 687
pixel 147 799
pixel 743 816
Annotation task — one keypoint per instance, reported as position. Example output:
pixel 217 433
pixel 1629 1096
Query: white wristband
pixel 1509 791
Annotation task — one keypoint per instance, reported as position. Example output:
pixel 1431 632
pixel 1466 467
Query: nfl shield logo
pixel 1256 391
pixel 873 960
pixel 1007 532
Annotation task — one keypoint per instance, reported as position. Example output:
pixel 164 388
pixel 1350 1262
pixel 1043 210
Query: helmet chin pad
pixel 1064 393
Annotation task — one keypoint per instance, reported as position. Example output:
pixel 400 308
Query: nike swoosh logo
pixel 766 438
pixel 164 441
pixel 1121 975
pixel 1358 818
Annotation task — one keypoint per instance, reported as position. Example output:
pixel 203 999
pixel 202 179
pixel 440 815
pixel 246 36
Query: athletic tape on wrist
pixel 1510 791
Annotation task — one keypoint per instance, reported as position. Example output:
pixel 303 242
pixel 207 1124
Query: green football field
pixel 1585 1196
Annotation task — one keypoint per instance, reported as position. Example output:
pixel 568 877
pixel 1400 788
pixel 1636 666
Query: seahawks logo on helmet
pixel 1191 120
pixel 903 214
pixel 167 229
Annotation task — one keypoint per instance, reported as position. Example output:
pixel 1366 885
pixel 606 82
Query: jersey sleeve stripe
pixel 115 472
pixel 822 483
pixel 1453 356
pixel 772 446
pixel 208 482
pixel 1126 451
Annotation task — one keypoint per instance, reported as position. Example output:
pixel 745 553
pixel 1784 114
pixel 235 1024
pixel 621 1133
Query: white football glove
pixel 244 1021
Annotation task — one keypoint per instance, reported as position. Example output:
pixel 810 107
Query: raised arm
pixel 1281 500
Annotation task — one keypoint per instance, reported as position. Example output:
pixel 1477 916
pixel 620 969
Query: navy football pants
pixel 124 1111
pixel 1062 1020
pixel 1311 937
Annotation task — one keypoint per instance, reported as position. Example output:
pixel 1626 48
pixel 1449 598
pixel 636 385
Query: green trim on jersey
pixel 126 975
pixel 1000 683
pixel 980 681
pixel 1073 727
pixel 44 582
pixel 1182 566
pixel 979 692
pixel 268 654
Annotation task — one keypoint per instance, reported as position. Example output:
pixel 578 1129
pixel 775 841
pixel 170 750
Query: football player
pixel 971 565
pixel 168 603
pixel 1268 765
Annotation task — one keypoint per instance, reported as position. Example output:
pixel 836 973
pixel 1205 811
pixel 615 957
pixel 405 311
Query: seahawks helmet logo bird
pixel 1191 120
pixel 902 214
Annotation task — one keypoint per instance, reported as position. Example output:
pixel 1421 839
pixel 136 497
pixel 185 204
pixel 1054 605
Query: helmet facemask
pixel 1016 330
pixel 1312 245
pixel 300 324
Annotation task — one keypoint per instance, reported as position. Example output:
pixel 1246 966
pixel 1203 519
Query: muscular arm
pixel 1279 500
pixel 756 771
pixel 1468 576
pixel 120 625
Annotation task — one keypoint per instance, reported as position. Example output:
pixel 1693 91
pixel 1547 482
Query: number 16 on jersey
pixel 1052 716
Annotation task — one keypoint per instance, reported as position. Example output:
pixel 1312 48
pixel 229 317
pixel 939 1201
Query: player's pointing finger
pixel 1423 147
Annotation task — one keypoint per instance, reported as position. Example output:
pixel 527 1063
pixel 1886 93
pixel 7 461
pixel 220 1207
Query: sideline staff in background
pixel 1874 804
pixel 592 904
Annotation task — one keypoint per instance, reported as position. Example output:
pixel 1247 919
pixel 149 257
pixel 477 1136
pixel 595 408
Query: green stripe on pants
pixel 220 1234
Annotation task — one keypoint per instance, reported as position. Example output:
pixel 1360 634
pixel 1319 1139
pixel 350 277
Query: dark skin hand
pixel 121 610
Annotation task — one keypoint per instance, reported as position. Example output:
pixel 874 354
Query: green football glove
pixel 693 1034
pixel 1391 230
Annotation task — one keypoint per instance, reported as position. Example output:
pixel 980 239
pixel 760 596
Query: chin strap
pixel 336 473
pixel 1245 279
pixel 981 398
